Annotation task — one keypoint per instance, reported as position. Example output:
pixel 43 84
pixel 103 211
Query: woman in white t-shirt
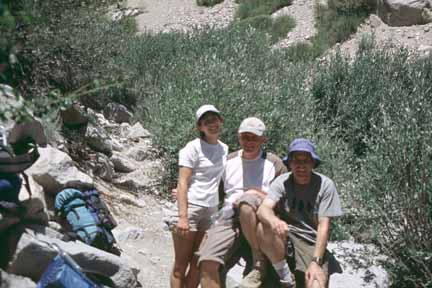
pixel 201 164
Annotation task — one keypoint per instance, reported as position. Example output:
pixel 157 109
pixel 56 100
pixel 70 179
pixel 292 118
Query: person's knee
pixel 208 267
pixel 246 210
pixel 179 269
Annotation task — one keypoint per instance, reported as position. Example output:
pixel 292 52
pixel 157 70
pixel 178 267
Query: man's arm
pixel 314 271
pixel 267 216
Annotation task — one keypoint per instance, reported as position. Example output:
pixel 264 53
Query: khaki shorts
pixel 224 243
pixel 303 253
pixel 199 217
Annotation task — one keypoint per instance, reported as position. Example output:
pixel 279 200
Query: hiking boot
pixel 253 280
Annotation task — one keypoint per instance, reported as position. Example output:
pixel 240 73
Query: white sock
pixel 282 270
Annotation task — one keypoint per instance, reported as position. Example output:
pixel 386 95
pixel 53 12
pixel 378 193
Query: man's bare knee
pixel 246 210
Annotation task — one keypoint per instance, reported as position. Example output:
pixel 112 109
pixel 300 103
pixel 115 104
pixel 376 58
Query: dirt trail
pixel 180 15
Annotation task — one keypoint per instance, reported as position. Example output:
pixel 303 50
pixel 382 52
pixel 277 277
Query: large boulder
pixel 33 255
pixel 74 116
pixel 98 140
pixel 9 280
pixel 360 267
pixel 55 171
pixel 104 168
pixel 122 164
pixel 117 113
pixel 37 207
pixel 405 12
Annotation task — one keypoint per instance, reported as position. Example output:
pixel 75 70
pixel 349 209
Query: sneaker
pixel 253 280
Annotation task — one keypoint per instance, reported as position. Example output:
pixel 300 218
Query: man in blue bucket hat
pixel 295 219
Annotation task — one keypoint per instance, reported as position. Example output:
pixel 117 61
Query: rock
pixel 130 200
pixel 142 178
pixel 38 205
pixel 33 255
pixel 360 264
pixel 103 167
pixel 404 12
pixel 10 280
pixel 55 226
pixel 55 171
pixel 122 164
pixel 36 211
pixel 74 115
pixel 117 113
pixel 424 48
pixel 29 130
pixel 137 131
pixel 138 153
pixel 36 229
pixel 130 233
pixel 116 145
pixel 98 140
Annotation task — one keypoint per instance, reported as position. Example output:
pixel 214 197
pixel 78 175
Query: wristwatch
pixel 318 260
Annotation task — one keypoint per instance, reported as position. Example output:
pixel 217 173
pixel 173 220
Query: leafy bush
pixel 208 3
pixel 68 50
pixel 281 26
pixel 276 28
pixel 252 8
pixel 380 106
pixel 234 69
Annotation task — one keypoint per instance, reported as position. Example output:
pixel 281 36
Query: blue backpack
pixel 83 212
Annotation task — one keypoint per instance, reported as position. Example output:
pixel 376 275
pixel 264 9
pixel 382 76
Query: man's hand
pixel 315 273
pixel 280 228
pixel 182 226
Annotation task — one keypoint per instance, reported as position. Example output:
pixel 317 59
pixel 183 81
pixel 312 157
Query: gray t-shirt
pixel 301 206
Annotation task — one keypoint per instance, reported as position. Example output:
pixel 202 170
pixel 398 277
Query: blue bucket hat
pixel 303 145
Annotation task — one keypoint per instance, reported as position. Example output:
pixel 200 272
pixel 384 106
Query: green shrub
pixel 261 22
pixel 234 69
pixel 281 26
pixel 380 106
pixel 68 45
pixel 252 8
pixel 275 28
pixel 208 3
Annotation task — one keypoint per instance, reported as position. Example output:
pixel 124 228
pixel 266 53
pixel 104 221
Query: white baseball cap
pixel 252 125
pixel 204 109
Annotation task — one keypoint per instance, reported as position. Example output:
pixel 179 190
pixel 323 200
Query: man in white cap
pixel 246 180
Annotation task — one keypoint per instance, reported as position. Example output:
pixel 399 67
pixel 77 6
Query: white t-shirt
pixel 241 174
pixel 207 162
